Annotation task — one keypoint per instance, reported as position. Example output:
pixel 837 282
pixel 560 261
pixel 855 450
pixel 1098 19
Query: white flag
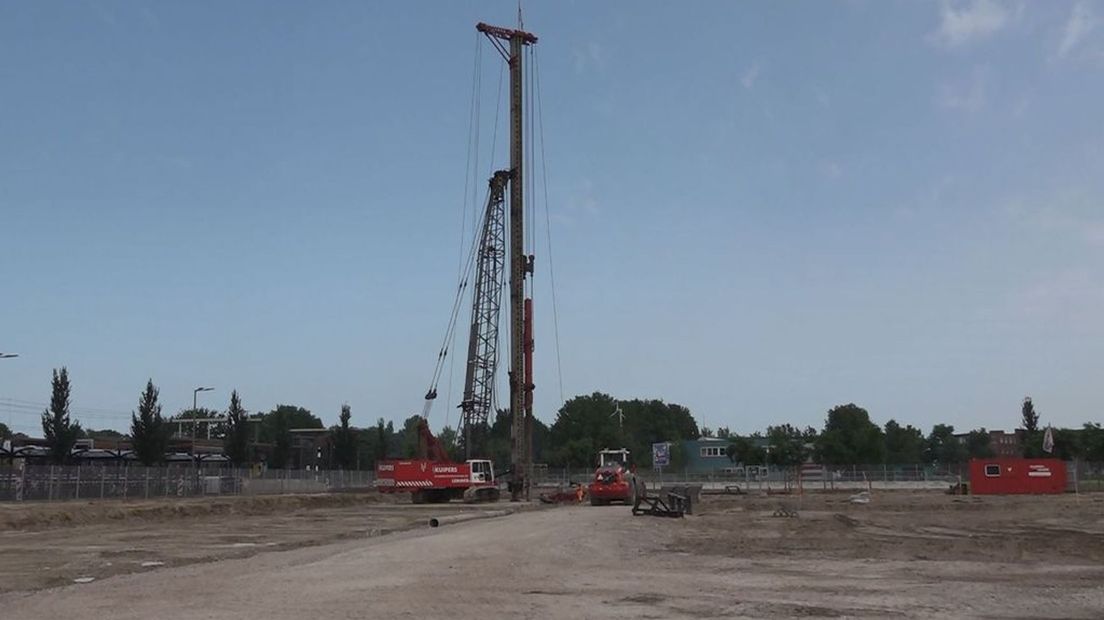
pixel 1048 441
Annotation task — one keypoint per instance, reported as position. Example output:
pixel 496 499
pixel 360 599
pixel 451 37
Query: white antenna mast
pixel 620 416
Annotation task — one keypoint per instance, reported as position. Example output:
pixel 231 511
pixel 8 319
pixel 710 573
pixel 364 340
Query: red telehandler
pixel 614 479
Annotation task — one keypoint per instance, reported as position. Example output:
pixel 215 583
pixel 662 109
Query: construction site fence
pixel 118 481
pixel 1082 476
pixel 40 482
pixel 769 477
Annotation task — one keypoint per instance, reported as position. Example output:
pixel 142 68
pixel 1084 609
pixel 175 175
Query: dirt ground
pixel 44 545
pixel 900 556
pixel 900 525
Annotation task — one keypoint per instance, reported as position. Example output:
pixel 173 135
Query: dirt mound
pixel 34 516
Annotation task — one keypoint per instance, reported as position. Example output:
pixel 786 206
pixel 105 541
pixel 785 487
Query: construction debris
pixel 671 505
pixel 574 494
pixel 785 512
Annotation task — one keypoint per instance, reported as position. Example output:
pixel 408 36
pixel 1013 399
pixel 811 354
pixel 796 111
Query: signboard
pixel 661 454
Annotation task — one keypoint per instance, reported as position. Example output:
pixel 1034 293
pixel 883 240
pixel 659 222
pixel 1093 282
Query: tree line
pixel 584 425
pixel 241 433
pixel 849 437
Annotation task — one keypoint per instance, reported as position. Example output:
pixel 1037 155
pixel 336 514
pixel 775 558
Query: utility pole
pixel 520 264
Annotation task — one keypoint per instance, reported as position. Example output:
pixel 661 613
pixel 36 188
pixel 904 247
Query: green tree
pixel 105 438
pixel 1033 439
pixel 5 432
pixel 408 449
pixel 679 456
pixel 583 426
pixel 724 432
pixel 943 447
pixel 849 437
pixel 344 440
pixel 105 434
pixel 904 445
pixel 1029 418
pixel 235 441
pixel 743 450
pixel 149 435
pixel 60 432
pixel 497 442
pixel 786 445
pixel 1069 444
pixel 276 428
pixel 449 442
pixel 978 444
pixel 373 443
pixel 587 424
pixel 1092 442
pixel 577 453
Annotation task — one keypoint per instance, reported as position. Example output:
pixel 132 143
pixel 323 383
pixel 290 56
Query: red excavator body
pixel 433 477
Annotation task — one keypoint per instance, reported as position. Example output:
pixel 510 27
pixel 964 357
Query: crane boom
pixel 479 378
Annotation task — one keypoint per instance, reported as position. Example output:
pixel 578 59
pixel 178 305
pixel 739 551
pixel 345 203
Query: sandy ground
pixel 906 556
pixel 47 545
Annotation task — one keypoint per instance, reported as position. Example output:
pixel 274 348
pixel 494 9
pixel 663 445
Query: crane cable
pixel 548 226
pixel 467 266
pixel 469 182
pixel 442 354
pixel 464 267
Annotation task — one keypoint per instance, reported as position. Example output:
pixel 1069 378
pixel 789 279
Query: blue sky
pixel 758 210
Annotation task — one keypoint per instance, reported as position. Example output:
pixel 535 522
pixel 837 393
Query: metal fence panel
pixel 39 482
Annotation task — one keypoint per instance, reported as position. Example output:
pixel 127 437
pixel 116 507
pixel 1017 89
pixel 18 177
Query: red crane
pixel 433 477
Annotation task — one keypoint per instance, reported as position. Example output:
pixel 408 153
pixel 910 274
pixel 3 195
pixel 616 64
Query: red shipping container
pixel 1011 476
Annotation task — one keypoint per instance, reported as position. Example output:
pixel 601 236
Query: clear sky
pixel 759 210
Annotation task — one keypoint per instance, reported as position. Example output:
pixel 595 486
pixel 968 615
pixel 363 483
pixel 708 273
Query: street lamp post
pixel 195 392
pixel 4 356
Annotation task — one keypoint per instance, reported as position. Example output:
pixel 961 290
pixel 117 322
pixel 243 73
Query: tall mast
pixel 520 264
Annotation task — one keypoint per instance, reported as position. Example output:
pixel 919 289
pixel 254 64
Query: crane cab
pixel 482 472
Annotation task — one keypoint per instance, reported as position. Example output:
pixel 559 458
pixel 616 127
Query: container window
pixel 992 471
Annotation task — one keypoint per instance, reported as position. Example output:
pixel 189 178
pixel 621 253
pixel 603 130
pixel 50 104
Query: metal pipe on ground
pixel 467 516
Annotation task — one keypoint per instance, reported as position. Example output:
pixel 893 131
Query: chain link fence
pixel 116 481
pixel 35 482
pixel 1081 477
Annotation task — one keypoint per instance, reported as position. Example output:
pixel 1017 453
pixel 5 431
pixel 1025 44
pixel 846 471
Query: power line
pixel 37 408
